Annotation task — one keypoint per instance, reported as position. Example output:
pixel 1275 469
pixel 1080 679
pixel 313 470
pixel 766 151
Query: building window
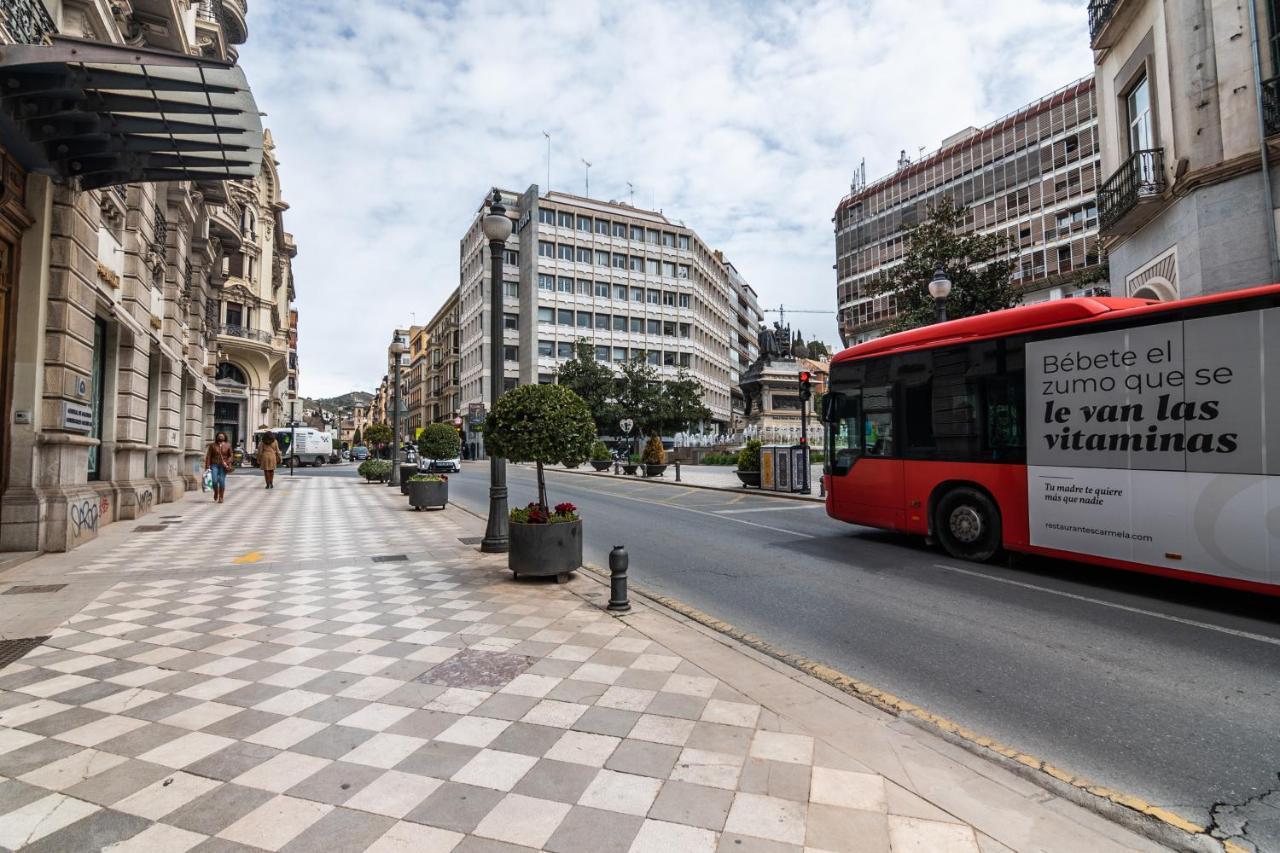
pixel 654 297
pixel 668 359
pixel 637 294
pixel 602 353
pixel 235 316
pixel 98 383
pixel 684 359
pixel 546 348
pixel 620 262
pixel 637 264
pixel 509 382
pixel 653 357
pixel 668 298
pixel 651 236
pixel 655 327
pixel 685 330
pixel 602 289
pixel 584 319
pixel 602 227
pixel 668 329
pixel 637 325
pixel 620 292
pixel 584 255
pixel 546 315
pixel 602 322
pixel 602 259
pixel 546 282
pixel 684 300
pixel 1138 107
pixel 619 323
pixel 566 252
pixel 511 321
pixel 683 240
pixel 620 230
pixel 619 354
pixel 564 220
pixel 510 353
pixel 682 271
pixel 565 317
pixel 584 223
pixel 668 239
pixel 564 349
pixel 668 269
pixel 546 379
pixel 511 289
pixel 546 250
pixel 564 284
pixel 546 216
pixel 637 233
pixel 511 257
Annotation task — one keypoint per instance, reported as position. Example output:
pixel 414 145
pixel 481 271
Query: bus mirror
pixel 832 405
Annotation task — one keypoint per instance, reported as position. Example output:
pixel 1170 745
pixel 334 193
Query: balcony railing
pixel 1271 105
pixel 1141 176
pixel 246 333
pixel 27 21
pixel 1099 13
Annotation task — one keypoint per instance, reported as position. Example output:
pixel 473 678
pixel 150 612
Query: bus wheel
pixel 968 525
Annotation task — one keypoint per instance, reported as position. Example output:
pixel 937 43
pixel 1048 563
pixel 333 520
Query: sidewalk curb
pixel 660 481
pixel 1126 810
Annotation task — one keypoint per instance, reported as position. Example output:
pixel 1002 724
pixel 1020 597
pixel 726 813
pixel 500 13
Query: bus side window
pixel 844 434
pixel 877 421
pixel 1005 399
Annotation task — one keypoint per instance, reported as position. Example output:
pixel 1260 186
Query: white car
pixel 438 465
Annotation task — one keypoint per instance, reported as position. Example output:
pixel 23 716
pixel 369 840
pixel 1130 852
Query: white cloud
pixel 745 120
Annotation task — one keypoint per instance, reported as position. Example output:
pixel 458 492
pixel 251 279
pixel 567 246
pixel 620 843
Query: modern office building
pixel 1185 207
pixel 1030 176
pixel 629 281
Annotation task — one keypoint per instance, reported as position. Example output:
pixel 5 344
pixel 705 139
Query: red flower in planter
pixel 565 508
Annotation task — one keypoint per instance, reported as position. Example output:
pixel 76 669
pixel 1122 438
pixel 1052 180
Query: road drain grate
pixel 11 650
pixel 472 668
pixel 470 540
pixel 391 558
pixel 149 528
pixel 36 588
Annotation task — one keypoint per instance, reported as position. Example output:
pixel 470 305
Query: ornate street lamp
pixel 940 289
pixel 395 351
pixel 497 228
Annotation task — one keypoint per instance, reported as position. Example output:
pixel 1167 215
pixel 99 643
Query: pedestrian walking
pixel 219 459
pixel 269 458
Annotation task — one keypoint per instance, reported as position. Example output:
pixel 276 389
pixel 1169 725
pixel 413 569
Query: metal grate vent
pixel 11 650
pixel 149 528
pixel 470 540
pixel 37 588
pixel 391 558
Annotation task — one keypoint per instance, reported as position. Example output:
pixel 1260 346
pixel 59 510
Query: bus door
pixel 866 478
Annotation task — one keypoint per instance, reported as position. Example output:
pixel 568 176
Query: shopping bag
pixel 207 482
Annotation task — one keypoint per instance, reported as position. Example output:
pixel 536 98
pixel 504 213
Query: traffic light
pixel 805 391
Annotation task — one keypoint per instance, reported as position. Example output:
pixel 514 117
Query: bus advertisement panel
pixel 1150 444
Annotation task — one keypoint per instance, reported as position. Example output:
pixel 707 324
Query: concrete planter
pixel 654 470
pixel 601 464
pixel 749 478
pixel 406 471
pixel 424 494
pixel 629 469
pixel 545 550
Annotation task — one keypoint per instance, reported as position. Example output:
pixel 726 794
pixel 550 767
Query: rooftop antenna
pixel 631 188
pixel 587 192
pixel 548 136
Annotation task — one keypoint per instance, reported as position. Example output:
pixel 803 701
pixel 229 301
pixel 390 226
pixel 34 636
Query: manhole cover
pixel 149 528
pixel 470 540
pixel 11 650
pixel 471 668
pixel 390 558
pixel 28 590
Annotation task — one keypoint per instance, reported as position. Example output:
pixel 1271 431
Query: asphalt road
pixel 1161 689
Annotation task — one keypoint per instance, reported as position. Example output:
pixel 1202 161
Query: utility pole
pixel 548 136
pixel 631 188
pixel 587 191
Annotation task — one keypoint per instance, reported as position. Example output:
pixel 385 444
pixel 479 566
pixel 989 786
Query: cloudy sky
pixel 746 120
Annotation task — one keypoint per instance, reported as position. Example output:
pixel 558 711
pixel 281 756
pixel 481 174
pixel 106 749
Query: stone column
pixel 169 471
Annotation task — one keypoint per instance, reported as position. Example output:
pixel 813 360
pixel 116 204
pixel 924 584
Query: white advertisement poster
pixel 1150 444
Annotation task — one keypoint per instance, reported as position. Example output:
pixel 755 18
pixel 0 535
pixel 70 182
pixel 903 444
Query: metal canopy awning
pixel 106 114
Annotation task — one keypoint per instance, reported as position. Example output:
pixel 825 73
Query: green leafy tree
pixel 749 456
pixel 439 441
pixel 543 424
pixel 378 434
pixel 594 383
pixel 818 350
pixel 682 404
pixel 979 266
pixel 356 439
pixel 640 395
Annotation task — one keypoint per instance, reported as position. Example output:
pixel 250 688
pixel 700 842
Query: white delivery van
pixel 313 447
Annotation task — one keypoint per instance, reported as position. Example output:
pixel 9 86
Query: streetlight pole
pixel 497 228
pixel 396 350
pixel 940 289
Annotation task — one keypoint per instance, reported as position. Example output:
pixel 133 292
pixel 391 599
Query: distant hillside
pixel 344 401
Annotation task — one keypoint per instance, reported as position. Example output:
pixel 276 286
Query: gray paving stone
pixel 472 844
pixel 607 721
pixel 693 805
pixel 113 785
pixel 506 706
pixel 250 694
pixel 846 830
pixel 15 795
pixel 134 743
pixel 642 679
pixel 422 723
pixel 586 830
pixel 527 739
pixel 556 780
pixel 677 705
pixel 716 737
pixel 340 829
pixel 776 779
pixel 335 784
pixel 226 764
pixel 165 706
pixel 438 759
pixel 243 724
pixel 222 845
pixel 332 709
pixel 94 832
pixel 214 811
pixel 33 755
pixel 455 806
pixel 644 758
pixel 63 721
pixel 333 741
pixel 413 694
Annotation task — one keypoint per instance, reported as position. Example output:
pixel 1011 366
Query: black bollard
pixel 618 561
pixel 677 470
pixel 822 486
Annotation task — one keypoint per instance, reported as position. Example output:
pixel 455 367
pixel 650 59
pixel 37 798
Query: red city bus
pixel 1119 432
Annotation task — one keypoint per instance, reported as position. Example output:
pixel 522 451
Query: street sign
pixel 625 425
pixel 76 416
pixel 475 413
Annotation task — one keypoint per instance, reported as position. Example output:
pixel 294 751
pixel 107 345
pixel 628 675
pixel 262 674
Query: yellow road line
pixel 898 706
pixel 251 557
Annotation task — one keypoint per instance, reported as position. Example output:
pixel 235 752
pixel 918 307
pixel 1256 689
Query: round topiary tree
pixel 654 453
pixel 439 441
pixel 543 424
pixel 749 456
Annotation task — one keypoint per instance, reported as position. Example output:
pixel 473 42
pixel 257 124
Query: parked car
pixel 360 453
pixel 436 466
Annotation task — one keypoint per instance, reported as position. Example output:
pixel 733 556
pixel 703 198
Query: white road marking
pixel 1261 638
pixel 769 509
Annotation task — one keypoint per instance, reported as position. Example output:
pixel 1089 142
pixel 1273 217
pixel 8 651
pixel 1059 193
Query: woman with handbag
pixel 269 458
pixel 219 459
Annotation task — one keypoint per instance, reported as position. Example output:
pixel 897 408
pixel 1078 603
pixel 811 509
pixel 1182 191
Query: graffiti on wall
pixel 84 516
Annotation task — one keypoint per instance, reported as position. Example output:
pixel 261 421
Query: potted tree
pixel 749 464
pixel 428 490
pixel 600 459
pixel 633 462
pixel 546 425
pixel 654 457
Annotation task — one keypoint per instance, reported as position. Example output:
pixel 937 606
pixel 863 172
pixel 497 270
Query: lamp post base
pixel 496 533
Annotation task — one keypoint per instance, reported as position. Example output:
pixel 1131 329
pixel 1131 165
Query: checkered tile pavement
pixel 429 705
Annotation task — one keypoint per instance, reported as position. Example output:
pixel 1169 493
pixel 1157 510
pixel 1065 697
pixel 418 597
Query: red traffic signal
pixel 805 392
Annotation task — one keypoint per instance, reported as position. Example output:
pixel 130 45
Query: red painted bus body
pixel 900 493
